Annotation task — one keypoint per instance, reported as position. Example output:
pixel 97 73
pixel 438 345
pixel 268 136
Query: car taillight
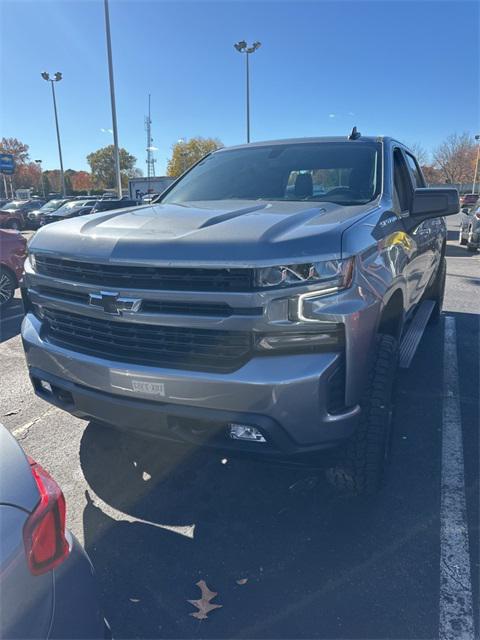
pixel 44 531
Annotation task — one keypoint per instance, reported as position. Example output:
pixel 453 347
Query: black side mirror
pixel 433 203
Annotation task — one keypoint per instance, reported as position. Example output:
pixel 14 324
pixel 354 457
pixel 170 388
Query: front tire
pixel 362 462
pixel 7 287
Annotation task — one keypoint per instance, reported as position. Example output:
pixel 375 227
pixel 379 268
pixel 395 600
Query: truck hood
pixel 233 232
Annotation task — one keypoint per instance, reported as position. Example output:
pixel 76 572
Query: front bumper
pixel 284 396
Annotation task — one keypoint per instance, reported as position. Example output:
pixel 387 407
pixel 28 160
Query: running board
pixel 413 335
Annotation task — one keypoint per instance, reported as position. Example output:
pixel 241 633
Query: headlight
pixel 330 274
pixel 33 261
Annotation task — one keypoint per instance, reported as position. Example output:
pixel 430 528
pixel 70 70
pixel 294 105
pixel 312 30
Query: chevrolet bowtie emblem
pixel 110 302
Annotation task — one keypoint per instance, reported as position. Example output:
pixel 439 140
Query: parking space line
pixel 456 609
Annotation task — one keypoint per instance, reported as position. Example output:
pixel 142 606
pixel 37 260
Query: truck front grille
pixel 170 347
pixel 136 277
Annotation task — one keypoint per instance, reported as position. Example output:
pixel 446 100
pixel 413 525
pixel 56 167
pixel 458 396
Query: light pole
pixel 477 138
pixel 242 47
pixel 56 78
pixel 39 164
pixel 183 153
pixel 118 176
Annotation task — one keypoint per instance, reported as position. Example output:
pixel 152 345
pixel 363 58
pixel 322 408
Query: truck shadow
pixel 160 517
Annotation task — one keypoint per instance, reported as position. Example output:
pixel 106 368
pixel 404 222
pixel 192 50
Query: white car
pixel 469 233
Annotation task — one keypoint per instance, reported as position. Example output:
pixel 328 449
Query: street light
pixel 39 164
pixel 112 100
pixel 477 138
pixel 243 47
pixel 56 78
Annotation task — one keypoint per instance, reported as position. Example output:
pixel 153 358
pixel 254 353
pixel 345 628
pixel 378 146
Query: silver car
pixel 47 584
pixel 469 233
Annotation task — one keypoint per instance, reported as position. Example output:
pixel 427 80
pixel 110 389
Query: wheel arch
pixel 393 314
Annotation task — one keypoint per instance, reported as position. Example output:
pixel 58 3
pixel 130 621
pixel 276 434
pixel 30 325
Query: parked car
pixel 469 234
pixel 13 251
pixel 3 202
pixel 68 210
pixel 14 214
pixel 47 583
pixel 234 314
pixel 35 215
pixel 468 200
pixel 109 204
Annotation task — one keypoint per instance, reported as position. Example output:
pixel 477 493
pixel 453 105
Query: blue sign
pixel 7 164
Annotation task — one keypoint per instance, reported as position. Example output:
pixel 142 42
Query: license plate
pixel 152 388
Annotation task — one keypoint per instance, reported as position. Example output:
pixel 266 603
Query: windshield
pixel 346 173
pixel 14 205
pixel 69 206
pixel 51 206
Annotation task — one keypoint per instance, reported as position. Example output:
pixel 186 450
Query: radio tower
pixel 150 148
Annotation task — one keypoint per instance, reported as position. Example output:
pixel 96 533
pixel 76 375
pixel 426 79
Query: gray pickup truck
pixel 259 305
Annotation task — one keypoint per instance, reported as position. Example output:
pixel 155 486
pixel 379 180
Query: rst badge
pixel 152 388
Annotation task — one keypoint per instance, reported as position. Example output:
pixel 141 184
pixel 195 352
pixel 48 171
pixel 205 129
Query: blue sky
pixel 408 69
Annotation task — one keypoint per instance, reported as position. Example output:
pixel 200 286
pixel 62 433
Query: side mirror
pixel 433 203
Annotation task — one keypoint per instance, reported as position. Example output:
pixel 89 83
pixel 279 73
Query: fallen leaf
pixel 204 605
pixel 242 581
pixel 12 413
pixel 134 599
pixel 146 476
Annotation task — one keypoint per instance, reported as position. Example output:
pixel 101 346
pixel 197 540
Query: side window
pixel 415 172
pixel 401 184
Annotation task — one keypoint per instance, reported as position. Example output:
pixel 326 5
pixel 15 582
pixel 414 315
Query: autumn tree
pixel 455 158
pixel 52 178
pixel 185 153
pixel 81 181
pixel 432 174
pixel 102 165
pixel 18 149
pixel 27 176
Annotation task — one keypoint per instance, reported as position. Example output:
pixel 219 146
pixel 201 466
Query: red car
pixel 14 214
pixel 13 251
pixel 468 200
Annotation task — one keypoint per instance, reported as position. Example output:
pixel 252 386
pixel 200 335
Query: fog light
pixel 46 386
pixel 245 432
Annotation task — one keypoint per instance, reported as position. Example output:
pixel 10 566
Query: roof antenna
pixel 355 135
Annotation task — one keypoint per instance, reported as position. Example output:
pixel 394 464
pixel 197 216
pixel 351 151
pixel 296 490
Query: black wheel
pixel 14 224
pixel 436 292
pixel 7 287
pixel 361 463
pixel 461 239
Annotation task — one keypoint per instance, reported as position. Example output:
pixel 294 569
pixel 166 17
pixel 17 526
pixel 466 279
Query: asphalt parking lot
pixel 288 557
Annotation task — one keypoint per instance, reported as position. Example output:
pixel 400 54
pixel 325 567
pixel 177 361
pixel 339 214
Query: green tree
pixel 185 153
pixel 102 165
